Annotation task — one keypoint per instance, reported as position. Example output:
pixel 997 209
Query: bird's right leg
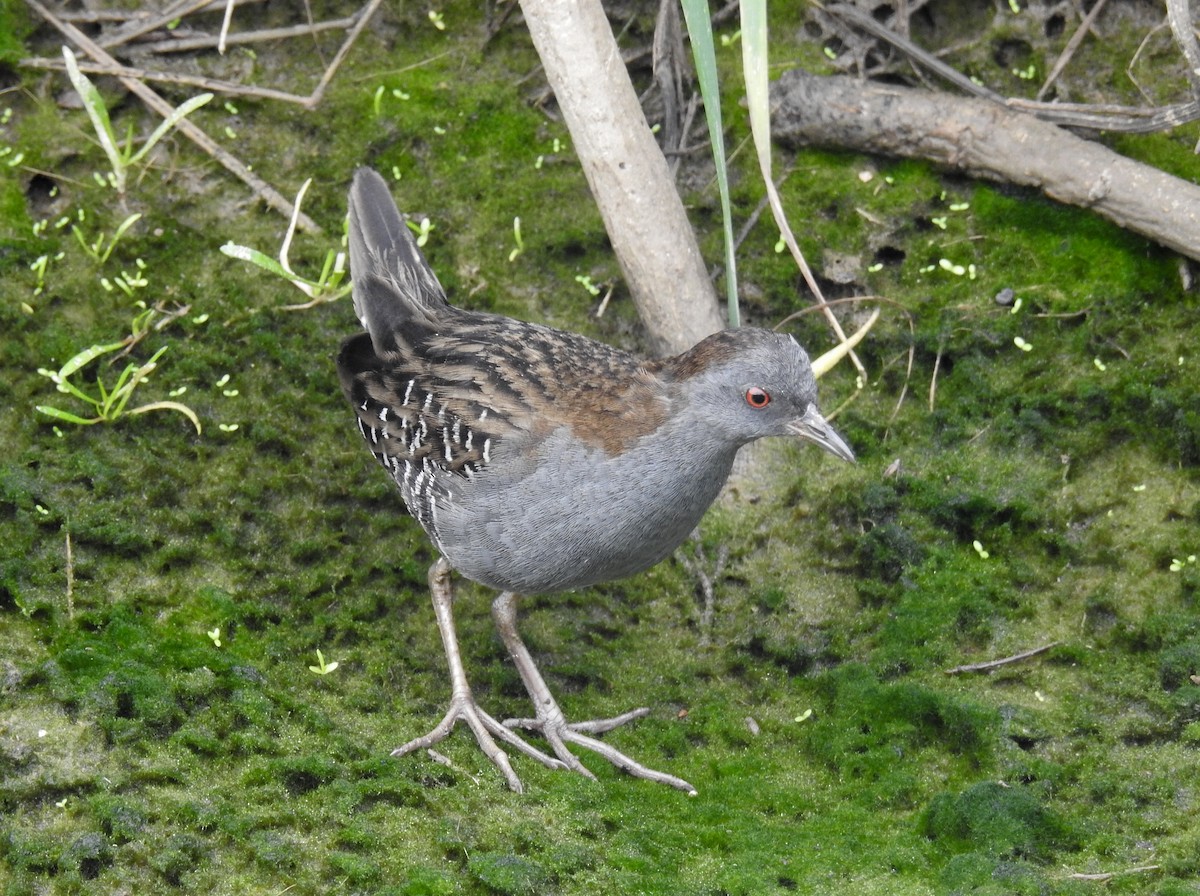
pixel 550 720
pixel 462 703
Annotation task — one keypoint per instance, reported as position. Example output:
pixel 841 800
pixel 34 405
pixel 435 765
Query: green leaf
pixel 66 415
pixel 97 111
pixel 695 14
pixel 177 115
pixel 86 357
pixel 266 262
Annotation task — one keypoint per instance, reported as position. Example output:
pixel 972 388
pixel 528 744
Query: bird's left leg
pixel 550 720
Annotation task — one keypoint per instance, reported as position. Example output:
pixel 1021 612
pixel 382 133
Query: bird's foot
pixel 486 730
pixel 550 720
pixel 558 732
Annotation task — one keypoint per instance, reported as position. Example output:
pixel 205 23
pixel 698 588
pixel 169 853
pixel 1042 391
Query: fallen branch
pixel 1127 119
pixel 1005 661
pixel 986 140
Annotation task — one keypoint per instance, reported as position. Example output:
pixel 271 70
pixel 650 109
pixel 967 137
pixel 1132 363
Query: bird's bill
pixel 812 427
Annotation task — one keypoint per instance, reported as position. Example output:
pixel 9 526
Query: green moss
pixel 997 820
pixel 813 712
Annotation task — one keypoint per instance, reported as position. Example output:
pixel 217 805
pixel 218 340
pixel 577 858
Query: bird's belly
pixel 560 527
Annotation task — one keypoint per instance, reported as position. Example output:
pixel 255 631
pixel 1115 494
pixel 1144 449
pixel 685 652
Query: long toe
pixel 558 733
pixel 486 730
pixel 625 763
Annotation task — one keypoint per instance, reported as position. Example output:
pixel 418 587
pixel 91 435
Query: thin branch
pixel 137 27
pixel 363 18
pixel 206 41
pixel 225 88
pixel 1180 18
pixel 995 664
pixel 987 140
pixel 1109 875
pixel 70 577
pixel 1069 50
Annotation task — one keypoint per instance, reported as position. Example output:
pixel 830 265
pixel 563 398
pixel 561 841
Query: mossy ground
pixel 137 755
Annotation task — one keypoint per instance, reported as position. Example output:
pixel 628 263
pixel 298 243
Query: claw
pixel 550 720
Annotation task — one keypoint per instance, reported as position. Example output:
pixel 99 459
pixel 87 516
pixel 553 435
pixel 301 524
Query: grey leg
pixel 550 720
pixel 462 703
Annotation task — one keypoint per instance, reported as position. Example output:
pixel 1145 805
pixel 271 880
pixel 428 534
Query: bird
pixel 539 460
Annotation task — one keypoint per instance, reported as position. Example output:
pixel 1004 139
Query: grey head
pixel 748 383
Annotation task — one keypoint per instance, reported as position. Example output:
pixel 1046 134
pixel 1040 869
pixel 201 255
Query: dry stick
pixel 1180 18
pixel 354 23
pixel 99 16
pixel 1109 875
pixel 70 577
pixel 226 88
pixel 1069 50
pixel 994 664
pixel 204 42
pixel 363 18
pixel 141 26
pixel 225 23
pixel 259 186
pixel 626 172
pixel 989 141
pixel 126 16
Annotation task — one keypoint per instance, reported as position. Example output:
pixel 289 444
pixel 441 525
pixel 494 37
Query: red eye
pixel 757 398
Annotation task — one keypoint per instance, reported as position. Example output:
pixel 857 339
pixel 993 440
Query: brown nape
pixel 716 349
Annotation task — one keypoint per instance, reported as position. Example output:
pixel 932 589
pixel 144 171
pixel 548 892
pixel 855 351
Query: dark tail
pixel 393 283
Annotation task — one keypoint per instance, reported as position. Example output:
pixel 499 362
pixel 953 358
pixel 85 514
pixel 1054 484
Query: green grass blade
pixel 86 357
pixel 66 415
pixel 754 69
pixel 97 111
pixel 120 232
pixel 695 14
pixel 177 115
pixel 264 261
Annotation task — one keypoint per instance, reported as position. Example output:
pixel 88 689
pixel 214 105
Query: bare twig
pixel 995 664
pixel 226 21
pixel 70 577
pixel 859 19
pixel 205 41
pixel 142 25
pixel 1180 18
pixel 363 18
pixel 225 88
pixel 1109 875
pixel 1069 50
pixel 704 580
